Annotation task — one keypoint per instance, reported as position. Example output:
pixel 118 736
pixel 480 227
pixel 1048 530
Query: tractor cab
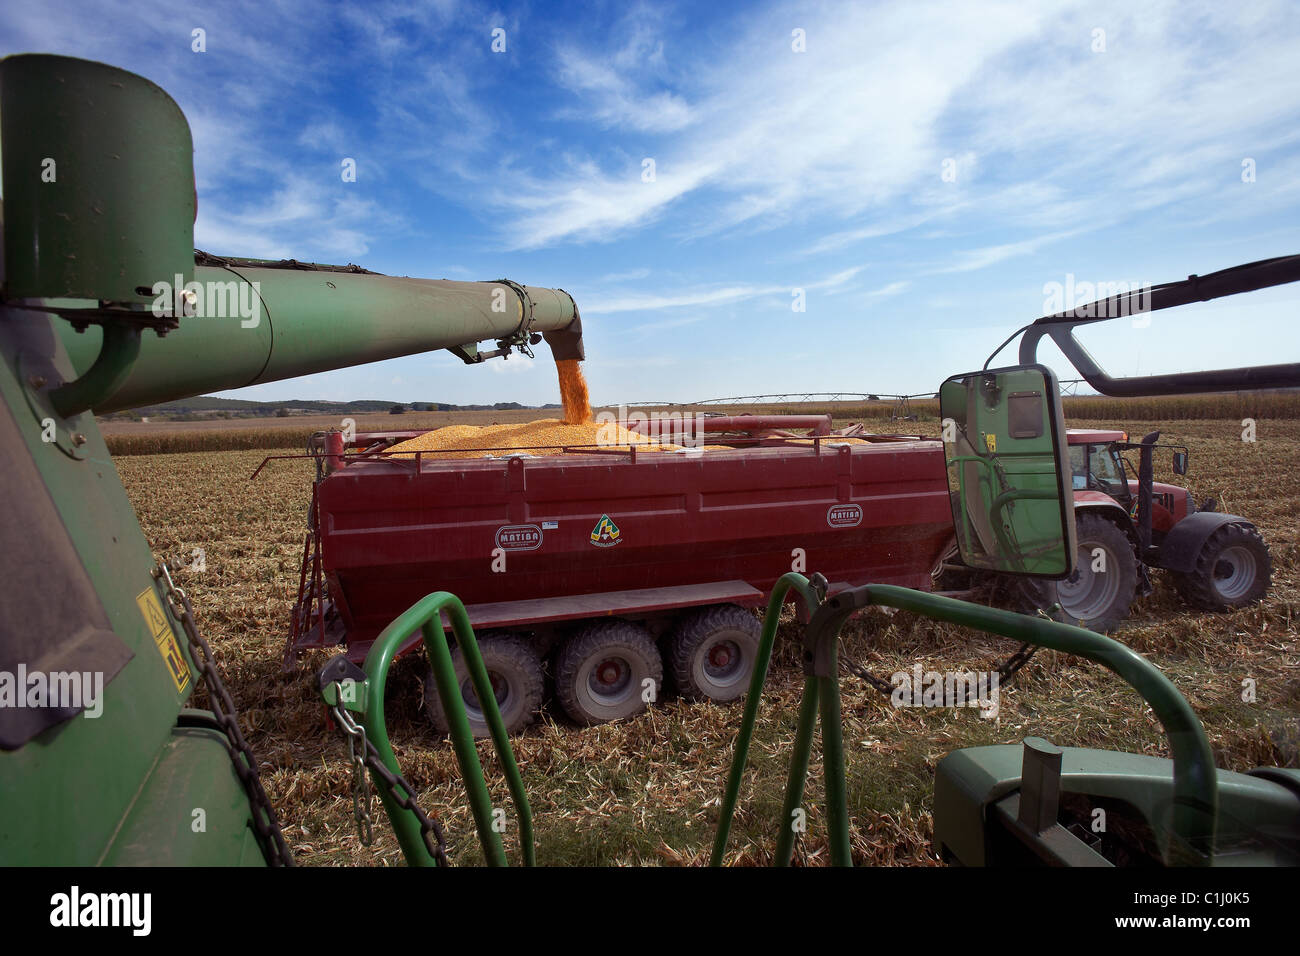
pixel 1094 461
pixel 1099 471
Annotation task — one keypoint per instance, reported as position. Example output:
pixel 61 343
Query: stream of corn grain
pixel 573 392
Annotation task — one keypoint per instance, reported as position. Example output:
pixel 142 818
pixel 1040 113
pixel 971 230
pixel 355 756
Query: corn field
pixel 168 439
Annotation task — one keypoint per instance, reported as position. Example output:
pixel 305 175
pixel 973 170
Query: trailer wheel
pixel 1233 570
pixel 1096 599
pixel 712 653
pixel 516 673
pixel 608 671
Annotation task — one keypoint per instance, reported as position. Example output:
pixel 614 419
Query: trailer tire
pixel 711 653
pixel 1233 570
pixel 601 672
pixel 1098 601
pixel 516 672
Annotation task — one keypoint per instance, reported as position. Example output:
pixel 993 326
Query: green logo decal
pixel 605 534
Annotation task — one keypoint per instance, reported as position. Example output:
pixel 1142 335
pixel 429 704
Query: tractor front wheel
pixel 1233 570
pixel 515 670
pixel 608 671
pixel 1098 594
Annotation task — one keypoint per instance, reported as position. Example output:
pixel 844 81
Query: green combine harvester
pixel 105 305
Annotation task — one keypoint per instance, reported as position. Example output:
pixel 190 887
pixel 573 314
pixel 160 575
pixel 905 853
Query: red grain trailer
pixel 617 565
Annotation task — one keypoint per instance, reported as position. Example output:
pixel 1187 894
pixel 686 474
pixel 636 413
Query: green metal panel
pixel 969 781
pixel 69 790
pixel 312 321
pixel 192 811
pixel 98 181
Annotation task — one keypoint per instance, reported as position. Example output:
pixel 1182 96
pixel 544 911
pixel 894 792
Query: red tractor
pixel 1128 523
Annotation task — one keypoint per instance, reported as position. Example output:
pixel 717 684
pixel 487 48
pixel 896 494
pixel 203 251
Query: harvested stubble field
pixel 645 791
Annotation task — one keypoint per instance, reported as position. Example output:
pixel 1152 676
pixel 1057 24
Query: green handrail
pixel 1196 797
pixel 426 615
pixel 1195 806
pixel 807 714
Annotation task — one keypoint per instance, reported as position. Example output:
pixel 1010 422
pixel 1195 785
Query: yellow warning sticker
pixel 992 442
pixel 155 620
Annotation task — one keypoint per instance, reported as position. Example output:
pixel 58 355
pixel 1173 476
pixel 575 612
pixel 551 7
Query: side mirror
pixel 1180 463
pixel 1004 440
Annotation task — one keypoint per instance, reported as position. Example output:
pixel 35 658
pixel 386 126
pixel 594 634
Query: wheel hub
pixel 1086 594
pixel 722 660
pixel 610 676
pixel 1234 572
pixel 500 690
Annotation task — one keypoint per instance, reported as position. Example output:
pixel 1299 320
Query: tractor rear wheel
pixel 1233 570
pixel 515 669
pixel 712 653
pixel 1098 594
pixel 608 671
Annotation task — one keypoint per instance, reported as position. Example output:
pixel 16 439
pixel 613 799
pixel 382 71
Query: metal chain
pixel 265 825
pixel 430 829
pixel 1006 672
pixel 360 782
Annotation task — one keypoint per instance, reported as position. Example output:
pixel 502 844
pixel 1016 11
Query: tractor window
pixel 1078 468
pixel 1106 474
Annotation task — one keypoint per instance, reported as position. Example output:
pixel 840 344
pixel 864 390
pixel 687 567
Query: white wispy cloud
pixel 615 101
pixel 300 219
pixel 775 135
pixel 625 276
pixel 651 302
pixel 968 260
pixel 847 139
pixel 610 304
pixel 1041 130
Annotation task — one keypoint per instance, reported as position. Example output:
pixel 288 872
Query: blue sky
pixel 921 170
